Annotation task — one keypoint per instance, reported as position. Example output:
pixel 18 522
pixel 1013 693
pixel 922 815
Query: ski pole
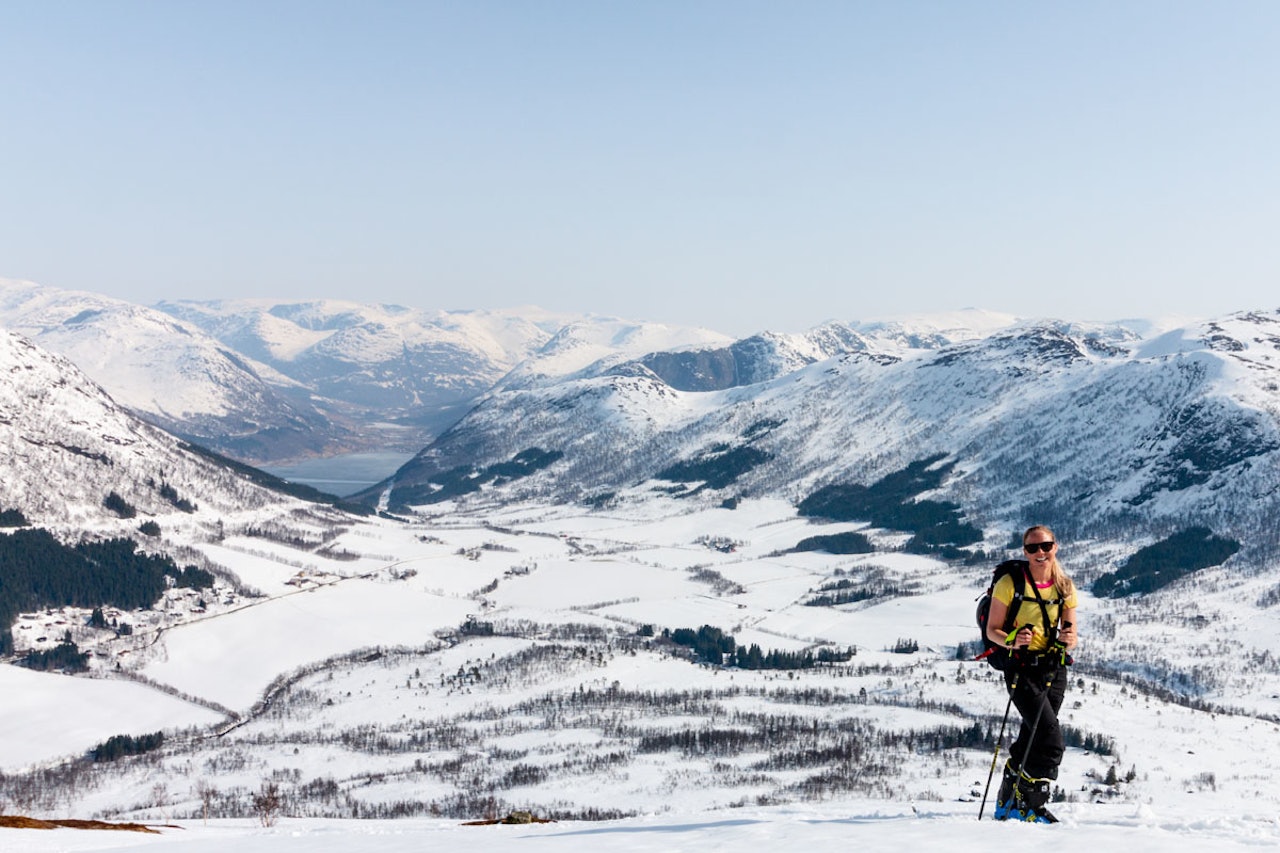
pixel 1000 737
pixel 1010 637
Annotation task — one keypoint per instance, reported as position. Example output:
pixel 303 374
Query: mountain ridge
pixel 1152 426
pixel 1117 429
pixel 68 445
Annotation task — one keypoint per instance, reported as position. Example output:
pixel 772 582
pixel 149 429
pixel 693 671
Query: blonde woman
pixel 1036 677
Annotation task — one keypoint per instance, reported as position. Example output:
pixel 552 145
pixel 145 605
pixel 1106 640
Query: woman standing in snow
pixel 1036 675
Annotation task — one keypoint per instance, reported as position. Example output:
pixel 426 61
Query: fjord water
pixel 342 475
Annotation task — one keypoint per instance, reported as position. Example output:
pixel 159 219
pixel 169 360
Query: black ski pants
pixel 1038 693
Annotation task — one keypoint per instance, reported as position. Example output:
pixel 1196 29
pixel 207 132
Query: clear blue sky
pixel 740 165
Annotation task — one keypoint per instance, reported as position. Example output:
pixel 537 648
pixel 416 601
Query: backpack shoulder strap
pixel 1017 571
pixel 1050 627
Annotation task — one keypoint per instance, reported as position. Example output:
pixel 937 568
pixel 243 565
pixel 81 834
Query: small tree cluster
pixel 119 505
pixel 119 746
pixel 66 657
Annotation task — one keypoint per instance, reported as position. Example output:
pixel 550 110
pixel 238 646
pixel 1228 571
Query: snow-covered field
pixel 474 662
pixel 45 715
pixel 825 828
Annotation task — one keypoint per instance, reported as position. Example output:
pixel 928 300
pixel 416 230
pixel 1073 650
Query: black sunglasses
pixel 1044 547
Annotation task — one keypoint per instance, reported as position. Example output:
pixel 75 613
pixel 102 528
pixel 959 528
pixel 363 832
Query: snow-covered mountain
pixel 67 445
pixel 592 348
pixel 422 370
pixel 390 362
pixel 701 360
pixel 269 381
pixel 173 375
pixel 1087 426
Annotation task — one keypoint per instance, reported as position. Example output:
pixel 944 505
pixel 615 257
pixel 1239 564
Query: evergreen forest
pixel 37 571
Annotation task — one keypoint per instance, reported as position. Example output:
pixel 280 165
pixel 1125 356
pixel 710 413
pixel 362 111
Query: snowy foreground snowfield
pixel 827 828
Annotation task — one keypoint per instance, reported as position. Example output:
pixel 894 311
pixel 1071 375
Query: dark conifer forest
pixel 38 571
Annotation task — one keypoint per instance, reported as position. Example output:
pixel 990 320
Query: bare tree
pixel 266 803
pixel 207 794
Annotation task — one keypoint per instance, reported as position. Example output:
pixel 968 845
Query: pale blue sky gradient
pixel 738 165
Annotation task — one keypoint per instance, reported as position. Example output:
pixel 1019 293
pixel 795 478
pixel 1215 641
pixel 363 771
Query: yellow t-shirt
pixel 1029 612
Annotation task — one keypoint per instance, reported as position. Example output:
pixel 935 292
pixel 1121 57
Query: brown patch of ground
pixel 22 822
pixel 514 817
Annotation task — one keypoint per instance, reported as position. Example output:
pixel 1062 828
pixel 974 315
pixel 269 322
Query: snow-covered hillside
pixel 81 468
pixel 417 368
pixel 173 375
pixel 1087 427
pixel 470 664
pixel 67 445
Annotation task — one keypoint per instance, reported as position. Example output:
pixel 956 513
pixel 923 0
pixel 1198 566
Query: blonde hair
pixel 1061 580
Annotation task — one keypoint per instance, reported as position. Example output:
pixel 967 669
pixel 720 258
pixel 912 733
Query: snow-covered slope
pixel 386 356
pixel 818 828
pixel 934 330
pixel 417 368
pixel 1086 426
pixel 476 663
pixel 171 374
pixel 67 445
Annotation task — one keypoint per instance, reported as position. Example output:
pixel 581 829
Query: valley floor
pixel 518 658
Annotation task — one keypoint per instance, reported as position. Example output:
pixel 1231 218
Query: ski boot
pixel 1007 807
pixel 1030 797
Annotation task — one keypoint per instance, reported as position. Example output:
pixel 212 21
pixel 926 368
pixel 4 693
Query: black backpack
pixel 995 654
